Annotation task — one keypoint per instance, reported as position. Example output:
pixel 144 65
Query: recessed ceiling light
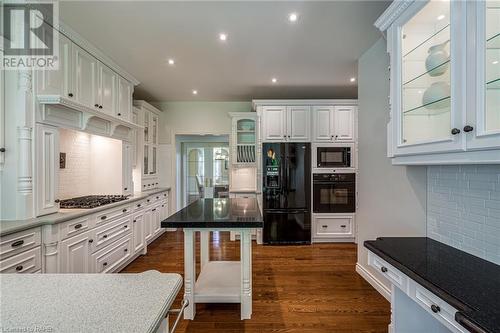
pixel 274 80
pixel 171 62
pixel 223 37
pixel 352 79
pixel 495 62
pixel 195 92
pixel 293 17
pixel 440 17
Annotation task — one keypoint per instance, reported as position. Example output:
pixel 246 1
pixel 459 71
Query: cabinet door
pixel 85 78
pixel 428 77
pixel 47 169
pixel 148 228
pixel 127 168
pixel 156 221
pixel 107 89
pixel 483 113
pixel 125 91
pixel 274 123
pixel 322 123
pixel 138 232
pixel 298 123
pixel 75 254
pixel 57 82
pixel 343 122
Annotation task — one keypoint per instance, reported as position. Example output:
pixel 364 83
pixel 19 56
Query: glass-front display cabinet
pixel 244 139
pixel 444 81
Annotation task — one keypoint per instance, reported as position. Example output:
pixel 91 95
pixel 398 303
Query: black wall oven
pixel 333 157
pixel 334 193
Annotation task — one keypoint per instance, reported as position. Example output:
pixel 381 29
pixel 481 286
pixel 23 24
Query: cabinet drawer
pixel 333 227
pixel 111 257
pixel 20 241
pixel 155 197
pixel 111 232
pixel 112 213
pixel 392 274
pixel 27 262
pixel 74 227
pixel 138 205
pixel 438 308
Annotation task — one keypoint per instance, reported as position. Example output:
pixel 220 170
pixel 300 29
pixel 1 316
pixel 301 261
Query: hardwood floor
pixel 295 288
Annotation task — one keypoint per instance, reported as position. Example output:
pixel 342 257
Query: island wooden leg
pixel 246 273
pixel 204 248
pixel 189 272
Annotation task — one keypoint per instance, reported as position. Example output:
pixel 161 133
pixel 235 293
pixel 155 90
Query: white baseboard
pixel 371 279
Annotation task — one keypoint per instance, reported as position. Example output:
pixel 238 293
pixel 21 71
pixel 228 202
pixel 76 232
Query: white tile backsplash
pixel 463 208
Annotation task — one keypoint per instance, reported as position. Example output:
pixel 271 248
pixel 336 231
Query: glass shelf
pixel 440 36
pixel 423 80
pixel 493 84
pixel 436 107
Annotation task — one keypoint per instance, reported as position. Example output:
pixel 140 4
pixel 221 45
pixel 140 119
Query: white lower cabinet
pixel 328 227
pixel 75 253
pixel 27 262
pixel 156 220
pixel 148 227
pixel 138 232
pixel 112 257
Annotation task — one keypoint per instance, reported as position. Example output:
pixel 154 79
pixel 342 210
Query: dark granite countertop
pixel 217 213
pixel 469 283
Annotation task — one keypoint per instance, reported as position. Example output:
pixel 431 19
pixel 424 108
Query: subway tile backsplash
pixel 463 208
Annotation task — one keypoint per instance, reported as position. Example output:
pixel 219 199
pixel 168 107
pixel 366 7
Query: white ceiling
pixel 312 58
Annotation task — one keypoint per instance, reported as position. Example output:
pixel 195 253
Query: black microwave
pixel 333 157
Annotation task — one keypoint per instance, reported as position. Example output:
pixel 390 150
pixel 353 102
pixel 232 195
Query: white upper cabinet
pixel 334 123
pixel 323 123
pixel 125 91
pixel 57 82
pixel 274 123
pixel 483 113
pixel 106 89
pixel 298 123
pixel 343 123
pixel 47 171
pixel 444 92
pixel 85 78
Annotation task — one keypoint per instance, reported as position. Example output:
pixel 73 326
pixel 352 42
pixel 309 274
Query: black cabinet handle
pixel 126 188
pixel 119 114
pixel 157 198
pixel 100 106
pixel 125 226
pixel 324 226
pixel 104 217
pixel 383 269
pixel 105 264
pixel 78 226
pixel 343 226
pixel 104 236
pixel 125 210
pixel 138 205
pixel 455 131
pixel 148 200
pixel 70 95
pixel 19 268
pixel 125 250
pixel 135 221
pixel 153 210
pixel 468 129
pixel 17 243
pixel 96 105
pixel 163 205
pixel 165 195
pixel 91 240
pixel 435 308
pixel 57 201
pixel 2 150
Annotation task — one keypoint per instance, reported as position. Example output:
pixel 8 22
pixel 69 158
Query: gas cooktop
pixel 90 201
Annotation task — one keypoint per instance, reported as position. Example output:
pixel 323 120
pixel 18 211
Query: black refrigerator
pixel 287 193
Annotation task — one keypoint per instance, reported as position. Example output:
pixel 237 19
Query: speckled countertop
pixel 11 226
pixel 86 302
pixel 469 283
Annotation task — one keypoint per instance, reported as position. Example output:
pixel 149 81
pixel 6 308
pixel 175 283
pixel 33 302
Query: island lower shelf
pixel 219 282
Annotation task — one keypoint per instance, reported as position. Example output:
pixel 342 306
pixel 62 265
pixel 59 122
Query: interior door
pixel 57 82
pixel 274 123
pixel 344 123
pixel 107 89
pixel 85 78
pixel 298 123
pixel 322 121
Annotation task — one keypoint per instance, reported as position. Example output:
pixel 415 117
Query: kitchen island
pixel 218 281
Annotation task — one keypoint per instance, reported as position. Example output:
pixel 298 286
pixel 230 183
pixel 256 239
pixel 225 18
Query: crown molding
pixel 143 104
pixel 305 102
pixel 392 13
